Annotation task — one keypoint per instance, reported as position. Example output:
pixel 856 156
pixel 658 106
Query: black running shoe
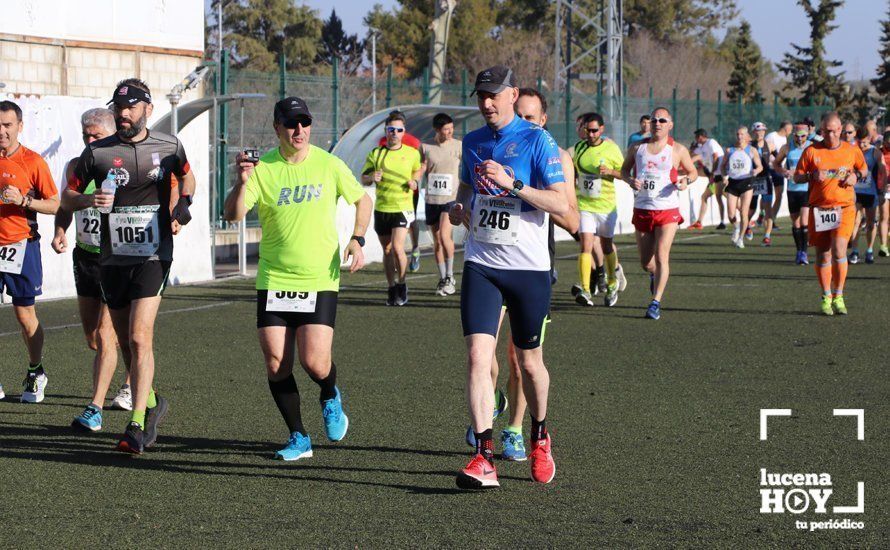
pixel 153 417
pixel 132 440
pixel 721 225
pixel 391 296
pixel 401 294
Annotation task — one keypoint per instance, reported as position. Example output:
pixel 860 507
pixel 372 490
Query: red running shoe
pixel 541 460
pixel 696 225
pixel 479 474
pixel 767 241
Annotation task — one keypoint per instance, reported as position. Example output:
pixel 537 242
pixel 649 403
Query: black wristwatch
pixel 359 240
pixel 517 187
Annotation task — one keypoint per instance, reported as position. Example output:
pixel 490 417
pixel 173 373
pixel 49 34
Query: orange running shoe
pixel 696 225
pixel 541 460
pixel 479 474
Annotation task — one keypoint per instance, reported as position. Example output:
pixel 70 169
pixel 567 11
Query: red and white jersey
pixel 656 171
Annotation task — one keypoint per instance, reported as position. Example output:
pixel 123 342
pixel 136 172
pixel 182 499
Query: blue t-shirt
pixel 869 185
pixel 791 160
pixel 636 137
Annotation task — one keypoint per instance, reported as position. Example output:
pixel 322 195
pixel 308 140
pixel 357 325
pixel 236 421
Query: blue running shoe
pixel 869 257
pixel 90 419
pixel 500 403
pixel 414 264
pixel 514 446
pixel 335 421
pixel 654 311
pixel 298 446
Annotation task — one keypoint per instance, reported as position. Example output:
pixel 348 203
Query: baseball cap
pixel 758 126
pixel 494 80
pixel 126 94
pixel 292 109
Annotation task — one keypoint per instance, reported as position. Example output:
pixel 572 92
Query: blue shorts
pixel 23 287
pixel 484 290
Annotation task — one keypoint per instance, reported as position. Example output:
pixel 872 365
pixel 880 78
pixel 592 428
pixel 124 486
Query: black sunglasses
pixel 292 123
pixel 593 130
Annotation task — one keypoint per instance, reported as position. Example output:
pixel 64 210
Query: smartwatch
pixel 517 187
pixel 359 240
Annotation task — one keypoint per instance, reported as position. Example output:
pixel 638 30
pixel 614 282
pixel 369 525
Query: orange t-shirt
pixel 839 163
pixel 28 171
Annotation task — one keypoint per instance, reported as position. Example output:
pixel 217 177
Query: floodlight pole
pixel 373 69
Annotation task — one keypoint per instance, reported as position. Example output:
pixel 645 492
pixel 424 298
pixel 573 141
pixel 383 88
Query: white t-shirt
pixel 775 140
pixel 707 150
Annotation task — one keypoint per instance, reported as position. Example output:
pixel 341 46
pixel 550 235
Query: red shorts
pixel 647 220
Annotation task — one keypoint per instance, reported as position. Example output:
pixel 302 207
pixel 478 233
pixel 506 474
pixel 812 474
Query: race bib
pixel 590 186
pixel 440 185
pixel 12 257
pixel 134 233
pixel 495 219
pixel 759 185
pixel 651 184
pixel 289 301
pixel 88 223
pixel 827 218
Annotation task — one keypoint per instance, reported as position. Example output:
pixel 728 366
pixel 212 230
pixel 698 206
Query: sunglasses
pixel 394 129
pixel 660 120
pixel 292 123
pixel 849 132
pixel 802 134
pixel 593 130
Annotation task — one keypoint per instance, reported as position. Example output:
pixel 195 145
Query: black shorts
pixel 778 180
pixel 87 273
pixel 121 284
pixel 797 200
pixel 739 187
pixel 866 201
pixel 385 222
pixel 325 312
pixel 434 212
pixel 415 200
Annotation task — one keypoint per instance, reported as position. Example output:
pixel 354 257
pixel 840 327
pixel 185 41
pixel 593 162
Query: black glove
pixel 181 211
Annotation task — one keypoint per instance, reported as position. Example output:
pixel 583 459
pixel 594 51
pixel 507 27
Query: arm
pixel 353 250
pixel 551 200
pixel 235 208
pixel 780 158
pixel 571 221
pixel 63 217
pixel 629 168
pixel 686 165
pixel 416 176
pixel 758 165
pixel 459 213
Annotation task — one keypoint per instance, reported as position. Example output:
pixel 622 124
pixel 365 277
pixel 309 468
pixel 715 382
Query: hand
pixel 102 199
pixel 412 185
pixel 12 195
pixel 175 227
pixel 456 214
pixel 60 241
pixel 682 183
pixel 494 172
pixel 850 180
pixel 354 251
pixel 636 184
pixel 788 173
pixel 245 167
pixel 181 212
pixel 818 176
pixel 377 176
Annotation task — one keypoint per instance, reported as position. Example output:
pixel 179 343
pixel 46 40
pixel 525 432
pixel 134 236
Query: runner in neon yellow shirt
pixel 296 188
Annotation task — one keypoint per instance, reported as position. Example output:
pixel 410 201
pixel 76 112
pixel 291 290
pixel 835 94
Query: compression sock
pixel 839 275
pixel 611 265
pixel 287 398
pixel 485 445
pixel 515 429
pixel 32 367
pixel 539 429
pixel 804 238
pixel 327 385
pixel 795 232
pixel 138 417
pixel 585 259
pixel 152 400
pixel 823 272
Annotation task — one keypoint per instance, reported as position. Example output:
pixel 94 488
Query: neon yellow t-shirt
pixel 398 165
pixel 297 204
pixel 596 194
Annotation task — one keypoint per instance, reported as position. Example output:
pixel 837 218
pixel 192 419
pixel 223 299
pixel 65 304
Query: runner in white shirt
pixel 740 163
pixel 710 152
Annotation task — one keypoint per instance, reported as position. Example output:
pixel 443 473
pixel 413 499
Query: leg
pixel 105 362
pixel 535 381
pixel 90 310
pixel 766 203
pixel 872 230
pixel 32 331
pixel 447 243
pixel 610 258
pixel 585 260
pixel 885 222
pixel 140 324
pixel 778 191
pixel 854 240
pixel 480 390
pixel 731 205
pixel 823 269
pixel 438 250
pixel 720 186
pixel 646 246
pixel 514 389
pixel 277 345
pixel 398 259
pixel 839 265
pixel 745 209
pixel 703 209
pixel 664 238
pixel 388 267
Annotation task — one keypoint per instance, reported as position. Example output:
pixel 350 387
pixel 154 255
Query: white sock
pixel 441 270
pixel 449 262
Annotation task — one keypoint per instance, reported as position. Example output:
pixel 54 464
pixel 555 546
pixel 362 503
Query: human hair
pixel 665 109
pixel 645 118
pixel 862 132
pixel 785 123
pixel 136 83
pixel 701 132
pixel 594 117
pixel 830 116
pixel 7 105
pixel 395 115
pixel 531 92
pixel 441 119
pixel 887 137
pixel 98 117
pixel 583 117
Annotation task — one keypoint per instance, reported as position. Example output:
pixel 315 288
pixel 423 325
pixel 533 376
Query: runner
pixel 867 198
pixel 580 121
pixel 798 193
pixel 148 188
pixel 739 164
pixel 506 260
pixel 26 188
pixel 776 140
pixel 762 185
pixel 884 226
pixel 295 188
pixel 831 168
pixel 597 163
pixel 849 133
pixel 636 137
pixel 96 124
pixel 395 169
pixel 711 153
pixel 441 161
pixel 651 169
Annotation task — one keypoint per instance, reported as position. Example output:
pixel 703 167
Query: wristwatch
pixel 359 240
pixel 517 187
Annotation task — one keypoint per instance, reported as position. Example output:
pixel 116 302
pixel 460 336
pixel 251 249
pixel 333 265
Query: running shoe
pixel 414 264
pixel 884 252
pixel 622 280
pixel 500 403
pixel 513 445
pixel 132 440
pixel 740 243
pixel 298 446
pixel 2 394
pixel 391 296
pixel 440 288
pixel 776 226
pixel 479 474
pixel 721 225
pixel 760 219
pixel 804 258
pixel 838 305
pixel 767 241
pixel 124 399
pixel 153 417
pixel 696 226
pixel 576 290
pixel 611 296
pixel 749 234
pixel 869 257
pixel 654 311
pixel 584 299
pixel 35 386
pixel 541 461
pixel 401 294
pixel 601 285
pixel 798 258
pixel 90 419
pixel 335 420
pixel 449 286
pixel 735 235
pixel 854 257
pixel 826 306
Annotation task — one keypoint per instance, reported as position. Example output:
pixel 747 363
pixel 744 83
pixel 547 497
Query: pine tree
pixel 882 82
pixel 336 43
pixel 744 81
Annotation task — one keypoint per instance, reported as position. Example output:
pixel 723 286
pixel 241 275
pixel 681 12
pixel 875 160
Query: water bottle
pixel 109 186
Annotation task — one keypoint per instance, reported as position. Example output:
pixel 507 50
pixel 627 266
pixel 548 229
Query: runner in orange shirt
pixel 831 167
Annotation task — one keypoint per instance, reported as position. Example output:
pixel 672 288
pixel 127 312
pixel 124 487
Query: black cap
pixel 808 121
pixel 291 108
pixel 127 95
pixel 495 80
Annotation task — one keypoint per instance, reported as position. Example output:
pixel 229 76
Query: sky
pixel 775 24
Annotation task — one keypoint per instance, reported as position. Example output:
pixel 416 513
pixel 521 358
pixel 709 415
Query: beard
pixel 136 126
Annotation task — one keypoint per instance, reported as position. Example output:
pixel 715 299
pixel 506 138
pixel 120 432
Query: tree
pixel 882 82
pixel 744 81
pixel 404 37
pixel 336 43
pixel 261 30
pixel 811 82
pixel 678 20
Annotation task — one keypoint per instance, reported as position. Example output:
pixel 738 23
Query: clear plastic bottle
pixel 109 186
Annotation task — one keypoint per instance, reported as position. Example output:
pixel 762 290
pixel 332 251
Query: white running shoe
pixel 735 234
pixel 123 400
pixel 622 280
pixel 740 243
pixel 35 387
pixel 449 286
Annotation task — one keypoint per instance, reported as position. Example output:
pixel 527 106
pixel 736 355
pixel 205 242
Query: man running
pixel 636 137
pixel 651 169
pixel 798 193
pixel 295 188
pixel 884 203
pixel 831 168
pixel 147 172
pixel 762 185
pixel 395 168
pixel 511 178
pixel 710 152
pixel 739 165
pixel 441 161
pixel 96 124
pixel 776 140
pixel 26 188
pixel 867 198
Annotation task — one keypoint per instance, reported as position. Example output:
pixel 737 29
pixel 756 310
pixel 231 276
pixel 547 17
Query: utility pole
pixel 441 26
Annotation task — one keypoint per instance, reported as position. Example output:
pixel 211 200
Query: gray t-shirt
pixel 442 170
